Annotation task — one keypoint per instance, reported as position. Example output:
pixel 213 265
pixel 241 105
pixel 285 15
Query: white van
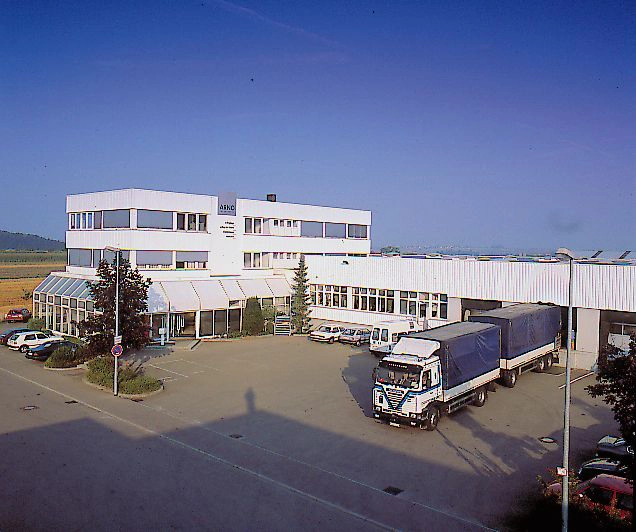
pixel 387 333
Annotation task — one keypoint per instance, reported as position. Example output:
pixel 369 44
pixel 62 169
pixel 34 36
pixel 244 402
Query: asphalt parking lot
pixel 270 433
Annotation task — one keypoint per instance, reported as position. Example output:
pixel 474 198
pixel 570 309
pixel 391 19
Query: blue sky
pixel 455 123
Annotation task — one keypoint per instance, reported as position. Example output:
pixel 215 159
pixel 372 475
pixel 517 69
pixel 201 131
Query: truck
pixel 387 333
pixel 530 338
pixel 438 371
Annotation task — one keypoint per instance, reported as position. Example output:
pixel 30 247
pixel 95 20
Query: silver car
pixel 355 336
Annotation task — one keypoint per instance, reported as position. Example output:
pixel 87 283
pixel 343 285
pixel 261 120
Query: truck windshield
pixel 376 334
pixel 409 378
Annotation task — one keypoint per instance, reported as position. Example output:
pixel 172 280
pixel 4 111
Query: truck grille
pixel 395 396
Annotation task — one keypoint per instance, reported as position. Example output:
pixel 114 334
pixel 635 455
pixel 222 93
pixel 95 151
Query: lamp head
pixel 564 254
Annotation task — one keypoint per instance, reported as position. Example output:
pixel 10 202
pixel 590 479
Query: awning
pixel 255 288
pixel 211 295
pixel 414 346
pixel 181 296
pixel 279 286
pixel 157 301
pixel 232 289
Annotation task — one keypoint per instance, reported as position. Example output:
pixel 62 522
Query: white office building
pixel 205 254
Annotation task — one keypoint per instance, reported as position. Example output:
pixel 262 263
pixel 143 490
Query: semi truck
pixel 436 372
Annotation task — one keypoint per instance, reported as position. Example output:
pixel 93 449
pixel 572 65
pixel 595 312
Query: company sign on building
pixel 227 204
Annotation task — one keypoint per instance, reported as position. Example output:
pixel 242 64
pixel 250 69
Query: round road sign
pixel 117 350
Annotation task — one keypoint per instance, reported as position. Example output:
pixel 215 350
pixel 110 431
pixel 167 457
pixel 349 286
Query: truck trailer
pixel 530 337
pixel 435 372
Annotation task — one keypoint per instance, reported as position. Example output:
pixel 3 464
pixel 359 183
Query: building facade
pixel 205 254
pixel 441 290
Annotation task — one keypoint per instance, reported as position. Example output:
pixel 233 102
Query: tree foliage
pixel 253 322
pixel 390 250
pixel 300 298
pixel 99 329
pixel 616 383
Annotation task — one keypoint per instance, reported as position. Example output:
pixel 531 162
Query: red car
pixel 607 492
pixel 18 314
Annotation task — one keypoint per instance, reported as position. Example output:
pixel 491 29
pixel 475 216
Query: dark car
pixel 614 447
pixel 44 351
pixel 601 466
pixel 18 314
pixel 4 337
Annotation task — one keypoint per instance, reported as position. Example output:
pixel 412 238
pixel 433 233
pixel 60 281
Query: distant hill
pixel 23 242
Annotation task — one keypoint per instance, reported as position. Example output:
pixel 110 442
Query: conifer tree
pixel 300 298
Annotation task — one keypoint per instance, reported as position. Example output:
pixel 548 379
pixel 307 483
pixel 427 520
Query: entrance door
pixel 182 325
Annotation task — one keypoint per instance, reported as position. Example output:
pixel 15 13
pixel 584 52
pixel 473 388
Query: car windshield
pixel 407 377
pixel 324 328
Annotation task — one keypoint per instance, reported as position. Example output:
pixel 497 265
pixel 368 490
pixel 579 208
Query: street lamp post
pixel 566 254
pixel 117 252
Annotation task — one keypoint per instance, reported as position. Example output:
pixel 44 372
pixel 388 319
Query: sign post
pixel 117 337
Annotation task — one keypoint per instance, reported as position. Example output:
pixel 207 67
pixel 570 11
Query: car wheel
pixel 24 348
pixel 432 419
pixel 480 397
pixel 358 343
pixel 510 378
pixel 331 340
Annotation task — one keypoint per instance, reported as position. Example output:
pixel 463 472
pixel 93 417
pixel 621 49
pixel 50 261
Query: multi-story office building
pixel 205 254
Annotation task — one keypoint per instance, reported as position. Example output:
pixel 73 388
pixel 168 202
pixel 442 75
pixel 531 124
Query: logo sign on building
pixel 227 204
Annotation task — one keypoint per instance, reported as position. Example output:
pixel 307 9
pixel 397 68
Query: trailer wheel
pixel 510 378
pixel 540 365
pixel 548 361
pixel 480 397
pixel 432 419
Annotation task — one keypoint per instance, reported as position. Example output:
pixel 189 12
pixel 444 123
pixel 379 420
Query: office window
pixel 154 259
pixel 203 222
pixel 80 257
pixel 356 231
pixel 432 305
pixel 311 229
pixel 275 223
pixel 116 219
pixel 253 226
pixel 72 224
pixel 97 256
pixel 181 221
pixel 408 303
pixel 373 299
pixel 109 256
pixel 192 222
pixel 192 260
pixel 147 219
pixel 256 260
pixel 335 230
pixel 97 223
pixel 328 295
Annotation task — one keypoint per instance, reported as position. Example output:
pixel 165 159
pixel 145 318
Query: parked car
pixel 18 314
pixel 614 447
pixel 608 492
pixel 26 340
pixel 44 351
pixel 355 336
pixel 4 337
pixel 327 333
pixel 600 466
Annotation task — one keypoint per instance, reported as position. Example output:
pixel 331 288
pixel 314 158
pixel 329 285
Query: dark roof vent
pixel 271 197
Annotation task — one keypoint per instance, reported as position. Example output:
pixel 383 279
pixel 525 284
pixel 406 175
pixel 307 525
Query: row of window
pixel 259 226
pixel 418 304
pixel 90 258
pixel 146 219
pixel 263 259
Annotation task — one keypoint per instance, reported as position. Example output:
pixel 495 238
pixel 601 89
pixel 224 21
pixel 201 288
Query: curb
pixel 80 366
pixel 125 395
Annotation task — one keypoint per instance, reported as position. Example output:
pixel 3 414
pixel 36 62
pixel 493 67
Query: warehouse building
pixel 443 289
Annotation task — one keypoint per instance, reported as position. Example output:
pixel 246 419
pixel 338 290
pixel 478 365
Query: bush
pixel 131 378
pixel 36 324
pixel 235 334
pixel 253 322
pixel 65 357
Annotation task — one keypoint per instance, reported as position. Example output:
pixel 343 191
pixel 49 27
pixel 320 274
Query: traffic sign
pixel 117 350
pixel 117 340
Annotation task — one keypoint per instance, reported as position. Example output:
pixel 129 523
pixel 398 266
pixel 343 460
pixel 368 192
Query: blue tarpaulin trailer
pixel 524 327
pixel 467 350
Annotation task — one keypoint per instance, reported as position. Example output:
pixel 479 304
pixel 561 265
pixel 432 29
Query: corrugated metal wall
pixel 607 287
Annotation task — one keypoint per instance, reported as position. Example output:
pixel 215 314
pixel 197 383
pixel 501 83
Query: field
pixel 21 272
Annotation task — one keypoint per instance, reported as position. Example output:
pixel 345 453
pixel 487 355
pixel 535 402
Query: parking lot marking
pixel 314 467
pixel 169 361
pixel 210 456
pixel 577 379
pixel 169 371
